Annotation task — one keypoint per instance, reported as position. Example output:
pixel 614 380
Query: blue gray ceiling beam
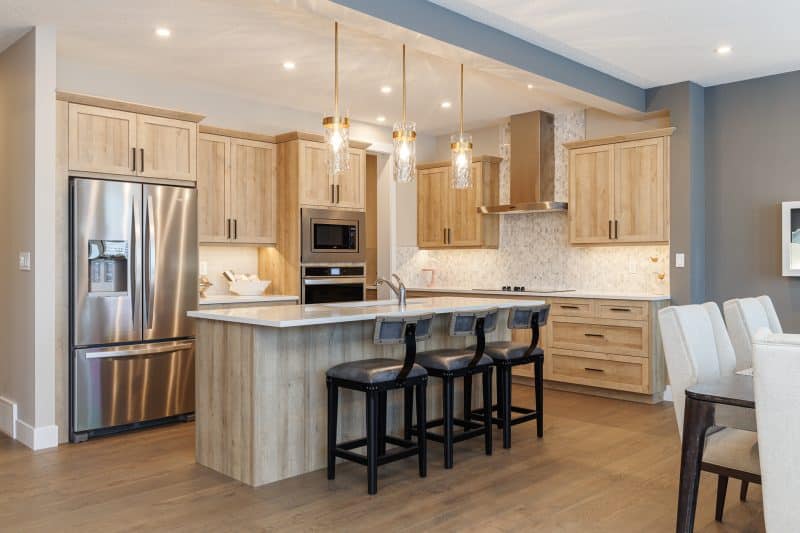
pixel 445 25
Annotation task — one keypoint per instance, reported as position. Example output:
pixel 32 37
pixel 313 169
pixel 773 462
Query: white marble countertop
pixel 287 316
pixel 225 299
pixel 569 294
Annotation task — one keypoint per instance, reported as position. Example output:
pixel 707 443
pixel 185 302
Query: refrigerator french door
pixel 133 278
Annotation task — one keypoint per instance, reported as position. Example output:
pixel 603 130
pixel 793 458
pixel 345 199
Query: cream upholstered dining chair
pixel 744 317
pixel 697 349
pixel 776 368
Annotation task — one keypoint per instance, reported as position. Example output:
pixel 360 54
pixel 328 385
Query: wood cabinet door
pixel 463 220
pixel 213 183
pixel 432 186
pixel 167 148
pixel 253 198
pixel 316 189
pixel 640 205
pixel 591 211
pixel 101 140
pixel 351 186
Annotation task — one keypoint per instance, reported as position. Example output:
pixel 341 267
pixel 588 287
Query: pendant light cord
pixel 404 85
pixel 461 97
pixel 336 72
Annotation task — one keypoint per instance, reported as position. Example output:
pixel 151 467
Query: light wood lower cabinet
pixel 236 190
pixel 604 347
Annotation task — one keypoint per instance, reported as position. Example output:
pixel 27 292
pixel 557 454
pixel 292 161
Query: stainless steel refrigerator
pixel 133 270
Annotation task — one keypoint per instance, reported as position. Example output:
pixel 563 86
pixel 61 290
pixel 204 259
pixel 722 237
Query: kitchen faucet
pixel 399 289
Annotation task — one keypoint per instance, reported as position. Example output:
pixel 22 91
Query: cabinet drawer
pixel 622 310
pixel 568 307
pixel 617 372
pixel 607 336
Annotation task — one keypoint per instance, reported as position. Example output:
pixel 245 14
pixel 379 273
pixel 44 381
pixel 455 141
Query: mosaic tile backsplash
pixel 534 249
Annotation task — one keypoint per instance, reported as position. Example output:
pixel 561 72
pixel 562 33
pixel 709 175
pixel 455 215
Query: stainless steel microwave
pixel 333 236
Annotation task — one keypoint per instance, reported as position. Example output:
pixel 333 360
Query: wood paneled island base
pixel 261 395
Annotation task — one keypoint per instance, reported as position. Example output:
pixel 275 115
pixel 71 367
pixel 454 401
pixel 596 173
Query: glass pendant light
pixel 404 138
pixel 337 128
pixel 461 150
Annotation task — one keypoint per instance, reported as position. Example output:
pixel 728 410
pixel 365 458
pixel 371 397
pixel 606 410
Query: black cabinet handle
pixel 235 228
pixel 141 153
pixel 133 151
pixel 228 224
pixel 620 309
pixel 569 307
pixel 590 369
pixel 338 194
pixel 333 197
pixel 596 335
pixel 616 229
pixel 609 230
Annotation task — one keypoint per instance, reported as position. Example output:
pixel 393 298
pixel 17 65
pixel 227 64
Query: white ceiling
pixel 651 43
pixel 239 46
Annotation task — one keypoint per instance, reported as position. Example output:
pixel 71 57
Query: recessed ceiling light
pixel 163 32
pixel 289 65
pixel 725 49
pixel 446 105
pixel 386 89
pixel 530 86
pixel 381 118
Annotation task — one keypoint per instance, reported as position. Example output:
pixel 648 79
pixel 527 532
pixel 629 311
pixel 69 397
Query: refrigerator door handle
pixel 132 262
pixel 138 351
pixel 150 260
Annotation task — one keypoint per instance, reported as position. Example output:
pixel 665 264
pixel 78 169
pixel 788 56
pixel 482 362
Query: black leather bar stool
pixel 375 377
pixel 507 355
pixel 450 363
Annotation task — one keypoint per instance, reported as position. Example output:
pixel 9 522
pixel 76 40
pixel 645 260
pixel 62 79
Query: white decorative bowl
pixel 248 288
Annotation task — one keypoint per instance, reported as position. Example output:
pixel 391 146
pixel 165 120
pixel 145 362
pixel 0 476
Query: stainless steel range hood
pixel 533 169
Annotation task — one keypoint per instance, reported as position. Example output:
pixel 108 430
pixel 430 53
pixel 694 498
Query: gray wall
pixel 685 101
pixel 752 163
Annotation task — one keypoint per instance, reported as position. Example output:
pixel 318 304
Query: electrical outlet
pixel 24 260
pixel 680 260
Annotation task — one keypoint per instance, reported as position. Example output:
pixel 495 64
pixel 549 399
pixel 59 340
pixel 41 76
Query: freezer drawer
pixel 125 384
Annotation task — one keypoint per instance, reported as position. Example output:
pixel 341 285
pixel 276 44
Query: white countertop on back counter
pixel 594 295
pixel 224 299
pixel 287 316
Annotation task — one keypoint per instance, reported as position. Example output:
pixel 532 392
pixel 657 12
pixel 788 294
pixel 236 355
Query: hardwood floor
pixel 603 465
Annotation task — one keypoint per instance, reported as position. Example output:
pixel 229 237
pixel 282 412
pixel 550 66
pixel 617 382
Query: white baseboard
pixel 668 394
pixel 8 417
pixel 37 438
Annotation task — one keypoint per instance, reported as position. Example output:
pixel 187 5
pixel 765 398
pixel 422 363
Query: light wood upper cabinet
pixel 351 186
pixel 236 190
pixel 253 191
pixel 619 191
pixel 109 141
pixel 640 193
pixel 167 148
pixel 101 140
pixel 431 207
pixel 317 189
pixel 590 207
pixel 213 183
pixel 449 218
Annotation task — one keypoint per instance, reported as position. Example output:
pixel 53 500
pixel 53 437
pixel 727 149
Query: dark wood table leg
pixel 697 418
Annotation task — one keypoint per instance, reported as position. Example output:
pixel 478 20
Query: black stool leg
pixel 422 437
pixel 447 412
pixel 382 423
pixel 722 490
pixel 506 370
pixel 743 492
pixel 333 408
pixel 487 409
pixel 408 407
pixel 372 442
pixel 538 379
pixel 499 378
pixel 467 398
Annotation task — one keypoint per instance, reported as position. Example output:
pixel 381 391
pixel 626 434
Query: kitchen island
pixel 260 379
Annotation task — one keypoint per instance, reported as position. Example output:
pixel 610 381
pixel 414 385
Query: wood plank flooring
pixel 603 465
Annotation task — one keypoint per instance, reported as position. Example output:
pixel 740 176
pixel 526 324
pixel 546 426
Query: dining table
pixel 725 402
